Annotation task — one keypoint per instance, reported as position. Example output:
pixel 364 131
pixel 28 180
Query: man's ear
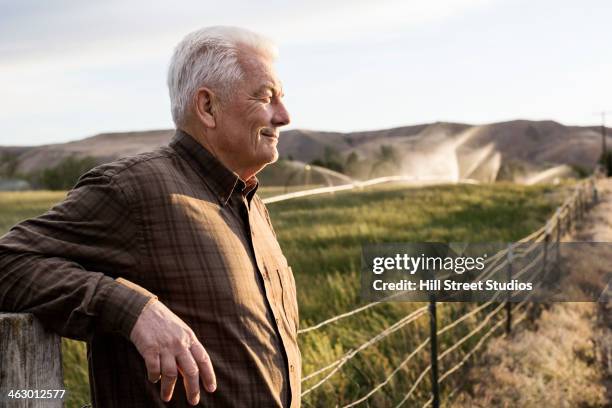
pixel 205 107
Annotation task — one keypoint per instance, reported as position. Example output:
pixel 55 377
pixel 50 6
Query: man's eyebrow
pixel 272 88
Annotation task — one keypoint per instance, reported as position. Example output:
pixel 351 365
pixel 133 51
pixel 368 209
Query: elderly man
pixel 166 262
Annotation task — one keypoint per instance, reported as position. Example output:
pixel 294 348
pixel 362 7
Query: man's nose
pixel 281 115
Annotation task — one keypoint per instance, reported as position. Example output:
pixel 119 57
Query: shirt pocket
pixel 290 305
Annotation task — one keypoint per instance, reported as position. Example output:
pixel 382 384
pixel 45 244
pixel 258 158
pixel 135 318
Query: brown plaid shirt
pixel 176 222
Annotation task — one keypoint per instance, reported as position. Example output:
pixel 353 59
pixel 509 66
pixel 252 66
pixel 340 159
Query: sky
pixel 70 69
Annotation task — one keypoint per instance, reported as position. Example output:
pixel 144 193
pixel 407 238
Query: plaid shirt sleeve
pixel 61 265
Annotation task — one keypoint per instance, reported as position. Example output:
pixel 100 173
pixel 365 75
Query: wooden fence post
pixel 433 341
pixel 582 203
pixel 579 203
pixel 30 359
pixel 569 217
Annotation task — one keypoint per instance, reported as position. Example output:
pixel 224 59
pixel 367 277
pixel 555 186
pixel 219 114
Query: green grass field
pixel 321 237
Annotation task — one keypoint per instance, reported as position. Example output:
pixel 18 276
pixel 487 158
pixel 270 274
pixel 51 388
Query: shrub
pixel 64 175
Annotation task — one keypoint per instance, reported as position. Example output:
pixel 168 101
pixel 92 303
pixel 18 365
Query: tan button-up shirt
pixel 176 222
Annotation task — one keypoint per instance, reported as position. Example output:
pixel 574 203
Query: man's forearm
pixel 66 298
pixel 60 266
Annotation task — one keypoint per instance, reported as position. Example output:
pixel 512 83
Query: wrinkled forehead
pixel 258 67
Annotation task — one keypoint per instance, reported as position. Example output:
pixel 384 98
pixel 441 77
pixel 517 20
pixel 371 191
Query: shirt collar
pixel 219 178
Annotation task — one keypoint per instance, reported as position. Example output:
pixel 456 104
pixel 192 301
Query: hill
pixel 519 150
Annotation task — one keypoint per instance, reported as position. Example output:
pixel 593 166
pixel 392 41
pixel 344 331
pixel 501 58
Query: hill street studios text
pixel 419 271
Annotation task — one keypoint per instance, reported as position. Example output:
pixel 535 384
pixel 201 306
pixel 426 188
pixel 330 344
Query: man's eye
pixel 266 99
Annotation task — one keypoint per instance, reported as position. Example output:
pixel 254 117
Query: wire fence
pixel 571 211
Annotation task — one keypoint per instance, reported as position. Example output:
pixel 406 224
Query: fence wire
pixel 570 210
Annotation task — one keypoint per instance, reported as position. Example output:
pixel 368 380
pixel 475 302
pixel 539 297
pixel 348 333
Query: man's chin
pixel 271 155
pixel 274 157
pixel 267 159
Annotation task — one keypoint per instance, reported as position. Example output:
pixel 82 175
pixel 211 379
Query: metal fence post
pixel 433 329
pixel 558 235
pixel 509 256
pixel 546 242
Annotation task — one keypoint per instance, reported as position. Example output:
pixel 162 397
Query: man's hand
pixel 168 347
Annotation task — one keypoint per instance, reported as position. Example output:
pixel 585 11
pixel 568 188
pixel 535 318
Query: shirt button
pixel 291 368
pixel 277 321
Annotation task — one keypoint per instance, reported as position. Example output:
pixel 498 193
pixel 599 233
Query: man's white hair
pixel 209 57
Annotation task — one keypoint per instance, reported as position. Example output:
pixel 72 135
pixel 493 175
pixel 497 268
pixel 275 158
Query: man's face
pixel 248 123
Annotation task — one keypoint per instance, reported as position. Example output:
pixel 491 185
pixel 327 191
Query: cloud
pixel 89 33
pixel 360 20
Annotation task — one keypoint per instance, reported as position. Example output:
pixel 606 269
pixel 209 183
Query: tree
pixel 351 159
pixel 65 174
pixel 331 160
pixel 8 165
pixel 387 156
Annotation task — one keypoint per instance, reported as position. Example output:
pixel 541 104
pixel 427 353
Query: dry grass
pixel 552 364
